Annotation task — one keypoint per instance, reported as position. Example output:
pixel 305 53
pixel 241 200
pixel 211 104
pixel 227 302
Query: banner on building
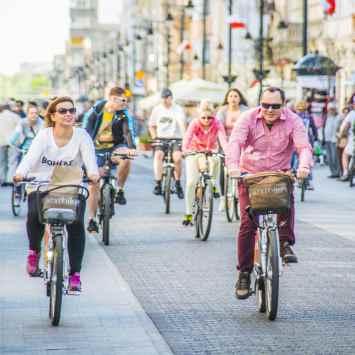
pixel 329 6
pixel 235 22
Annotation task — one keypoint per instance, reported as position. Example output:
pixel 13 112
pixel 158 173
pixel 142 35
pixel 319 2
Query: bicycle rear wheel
pixel 106 213
pixel 56 281
pixel 16 199
pixel 167 189
pixel 272 275
pixel 236 208
pixel 206 211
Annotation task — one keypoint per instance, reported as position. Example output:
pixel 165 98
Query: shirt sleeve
pixel 33 155
pixel 237 141
pixel 301 143
pixel 87 151
pixel 186 142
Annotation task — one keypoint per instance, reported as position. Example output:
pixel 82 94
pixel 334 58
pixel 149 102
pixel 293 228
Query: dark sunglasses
pixel 273 106
pixel 119 100
pixel 207 118
pixel 63 111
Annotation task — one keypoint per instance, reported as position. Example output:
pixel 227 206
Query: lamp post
pixel 305 27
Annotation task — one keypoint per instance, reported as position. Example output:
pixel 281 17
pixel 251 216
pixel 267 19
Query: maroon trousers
pixel 248 228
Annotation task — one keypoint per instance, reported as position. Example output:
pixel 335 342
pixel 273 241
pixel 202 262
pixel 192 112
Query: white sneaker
pixel 222 202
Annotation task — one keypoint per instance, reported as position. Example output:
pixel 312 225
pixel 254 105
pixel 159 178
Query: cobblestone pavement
pixel 187 286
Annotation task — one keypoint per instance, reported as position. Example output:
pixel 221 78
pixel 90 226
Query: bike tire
pixel 236 209
pixel 351 179
pixel 196 213
pixel 167 190
pixel 272 275
pixel 56 282
pixel 228 200
pixel 206 211
pixel 106 213
pixel 16 202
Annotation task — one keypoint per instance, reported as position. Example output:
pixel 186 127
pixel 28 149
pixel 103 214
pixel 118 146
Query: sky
pixel 36 30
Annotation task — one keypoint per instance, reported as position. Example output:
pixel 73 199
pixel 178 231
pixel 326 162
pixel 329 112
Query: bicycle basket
pixel 269 192
pixel 71 201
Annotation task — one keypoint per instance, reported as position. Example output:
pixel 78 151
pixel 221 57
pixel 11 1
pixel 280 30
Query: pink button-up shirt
pixel 198 139
pixel 253 147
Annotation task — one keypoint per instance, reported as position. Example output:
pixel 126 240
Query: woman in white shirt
pixel 60 144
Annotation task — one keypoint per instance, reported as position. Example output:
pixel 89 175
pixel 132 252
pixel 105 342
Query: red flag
pixel 329 6
pixel 235 23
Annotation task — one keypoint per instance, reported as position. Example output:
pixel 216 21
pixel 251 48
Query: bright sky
pixel 36 30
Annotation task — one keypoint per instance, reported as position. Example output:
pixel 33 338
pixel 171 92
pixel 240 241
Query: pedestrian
pixel 346 128
pixel 341 140
pixel 330 139
pixel 8 154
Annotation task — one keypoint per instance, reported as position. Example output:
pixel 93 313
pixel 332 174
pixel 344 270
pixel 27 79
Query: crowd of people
pixel 270 137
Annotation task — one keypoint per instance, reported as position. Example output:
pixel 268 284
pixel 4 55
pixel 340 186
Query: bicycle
pixel 203 203
pixel 167 145
pixel 269 195
pixel 57 210
pixel 108 190
pixel 231 198
pixel 351 171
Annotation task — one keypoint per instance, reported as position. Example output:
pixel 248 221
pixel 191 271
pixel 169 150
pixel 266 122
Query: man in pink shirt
pixel 263 140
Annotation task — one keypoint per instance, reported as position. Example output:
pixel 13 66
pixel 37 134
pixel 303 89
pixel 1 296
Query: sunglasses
pixel 63 111
pixel 119 100
pixel 207 118
pixel 273 106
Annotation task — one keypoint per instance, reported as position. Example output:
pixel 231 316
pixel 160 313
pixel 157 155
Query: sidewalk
pixel 105 319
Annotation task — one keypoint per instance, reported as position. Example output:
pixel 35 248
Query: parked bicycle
pixel 204 194
pixel 108 191
pixel 58 207
pixel 269 195
pixel 168 177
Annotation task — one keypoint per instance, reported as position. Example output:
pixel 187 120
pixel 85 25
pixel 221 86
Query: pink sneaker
pixel 32 263
pixel 75 283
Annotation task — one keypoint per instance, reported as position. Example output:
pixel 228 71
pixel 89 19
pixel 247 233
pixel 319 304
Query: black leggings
pixel 76 234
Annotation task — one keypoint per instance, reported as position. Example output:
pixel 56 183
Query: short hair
pixel 20 103
pixel 32 104
pixel 116 91
pixel 276 89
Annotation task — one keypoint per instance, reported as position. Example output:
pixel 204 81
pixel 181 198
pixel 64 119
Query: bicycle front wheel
pixel 16 199
pixel 206 210
pixel 303 190
pixel 56 281
pixel 106 213
pixel 272 275
pixel 167 189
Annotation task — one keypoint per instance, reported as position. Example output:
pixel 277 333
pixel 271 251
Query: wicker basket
pixel 269 192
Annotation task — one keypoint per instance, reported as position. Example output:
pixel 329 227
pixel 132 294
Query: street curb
pixel 147 324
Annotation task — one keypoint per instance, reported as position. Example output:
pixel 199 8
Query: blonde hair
pixel 51 108
pixel 206 107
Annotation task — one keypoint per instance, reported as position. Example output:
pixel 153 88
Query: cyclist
pixel 27 129
pixel 167 120
pixel 311 129
pixel 233 105
pixel 263 140
pixel 60 144
pixel 203 134
pixel 110 126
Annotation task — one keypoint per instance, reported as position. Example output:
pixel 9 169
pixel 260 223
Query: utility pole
pixel 305 27
pixel 261 47
pixel 204 42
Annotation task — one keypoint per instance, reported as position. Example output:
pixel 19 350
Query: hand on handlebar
pixel 235 173
pixel 17 178
pixel 302 173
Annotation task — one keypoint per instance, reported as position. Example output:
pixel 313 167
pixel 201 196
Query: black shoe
pixel 287 254
pixel 187 221
pixel 92 226
pixel 179 191
pixel 157 189
pixel 333 176
pixel 242 287
pixel 120 198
